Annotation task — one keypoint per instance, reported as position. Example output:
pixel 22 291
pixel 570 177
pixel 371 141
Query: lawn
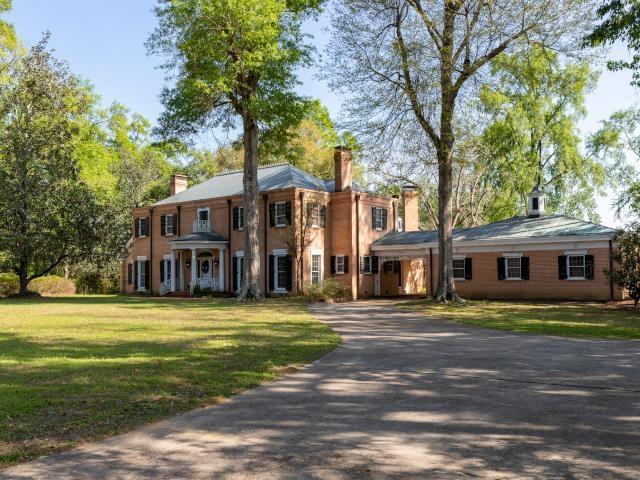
pixel 562 319
pixel 81 368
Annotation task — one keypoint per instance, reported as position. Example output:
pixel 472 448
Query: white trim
pixel 575 252
pixel 512 254
pixel 335 266
pixel 168 256
pixel 240 254
pixel 458 256
pixel 141 259
pixel 202 209
pixel 584 266
pixel 316 253
pixel 275 206
pixel 506 267
pixel 464 268
pixel 279 252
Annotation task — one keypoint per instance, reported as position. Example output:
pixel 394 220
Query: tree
pixel 626 273
pixel 49 214
pixel 408 63
pixel 619 20
pixel 234 59
pixel 618 142
pixel 535 107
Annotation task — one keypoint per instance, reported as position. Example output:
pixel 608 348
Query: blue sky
pixel 104 43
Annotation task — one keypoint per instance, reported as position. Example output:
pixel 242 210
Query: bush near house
pixel 330 289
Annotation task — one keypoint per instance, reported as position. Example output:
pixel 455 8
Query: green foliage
pixel 51 285
pixel 49 214
pixel 626 272
pixel 329 289
pixel 533 138
pixel 619 21
pixel 9 284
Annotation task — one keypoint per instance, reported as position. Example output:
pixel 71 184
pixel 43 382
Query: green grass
pixel 80 368
pixel 562 319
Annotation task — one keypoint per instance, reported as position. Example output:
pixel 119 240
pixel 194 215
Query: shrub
pixel 330 289
pixel 9 284
pixel 52 285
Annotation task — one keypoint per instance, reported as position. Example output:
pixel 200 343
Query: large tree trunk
pixel 23 276
pixel 251 285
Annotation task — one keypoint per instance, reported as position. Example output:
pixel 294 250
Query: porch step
pixel 178 295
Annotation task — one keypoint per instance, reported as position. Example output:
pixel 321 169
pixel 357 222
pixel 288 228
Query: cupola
pixel 537 203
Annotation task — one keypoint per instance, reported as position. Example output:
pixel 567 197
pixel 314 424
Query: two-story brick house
pixel 195 238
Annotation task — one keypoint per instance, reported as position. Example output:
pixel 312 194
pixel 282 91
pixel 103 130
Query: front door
pixel 205 267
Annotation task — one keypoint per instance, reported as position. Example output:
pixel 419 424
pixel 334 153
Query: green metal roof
pixel 512 229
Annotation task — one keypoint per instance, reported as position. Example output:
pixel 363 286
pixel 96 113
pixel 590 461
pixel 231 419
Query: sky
pixel 103 42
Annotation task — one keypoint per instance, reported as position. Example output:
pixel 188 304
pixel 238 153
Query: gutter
pixel 611 269
pixel 151 250
pixel 265 200
pixel 357 245
pixel 229 235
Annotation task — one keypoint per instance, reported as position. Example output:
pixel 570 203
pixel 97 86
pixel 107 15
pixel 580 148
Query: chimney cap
pixel 179 175
pixel 342 147
pixel 409 187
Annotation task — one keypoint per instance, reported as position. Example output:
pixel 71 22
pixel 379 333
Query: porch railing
pixel 212 284
pixel 201 226
pixel 165 288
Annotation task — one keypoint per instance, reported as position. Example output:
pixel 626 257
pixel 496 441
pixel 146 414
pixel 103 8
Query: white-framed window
pixel 378 222
pixel 166 267
pixel 203 214
pixel 314 214
pixel 141 227
pixel 281 214
pixel 239 268
pixel 240 218
pixel 339 264
pixel 280 278
pixel 316 269
pixel 576 267
pixel 168 228
pixel 513 268
pixel 459 270
pixel 142 274
pixel 366 264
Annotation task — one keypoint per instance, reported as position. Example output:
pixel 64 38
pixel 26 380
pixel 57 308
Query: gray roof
pixel 273 177
pixel 513 228
pixel 200 237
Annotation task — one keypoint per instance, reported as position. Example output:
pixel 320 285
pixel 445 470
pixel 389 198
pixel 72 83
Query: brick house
pixel 195 238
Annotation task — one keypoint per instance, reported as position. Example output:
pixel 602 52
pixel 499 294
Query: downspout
pixel 301 268
pixel 431 271
pixel 357 245
pixel 611 269
pixel 265 199
pixel 151 250
pixel 228 236
pixel 179 275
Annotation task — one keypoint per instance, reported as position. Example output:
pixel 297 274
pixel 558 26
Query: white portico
pixel 198 256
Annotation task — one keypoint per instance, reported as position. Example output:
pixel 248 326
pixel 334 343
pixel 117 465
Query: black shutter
pixel 146 275
pixel 136 229
pixel 323 216
pixel 310 207
pixel 524 268
pixel 129 273
pixel 333 265
pixel 161 271
pixel 384 218
pixel 135 275
pixel 163 225
pixel 501 269
pixel 373 218
pixel 468 269
pixel 272 214
pixel 235 219
pixel 588 267
pixel 145 226
pixel 346 264
pixel 272 272
pixel 287 212
pixel 234 273
pixel 289 267
pixel 562 267
pixel 374 264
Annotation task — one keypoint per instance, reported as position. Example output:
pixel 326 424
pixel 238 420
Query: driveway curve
pixel 404 396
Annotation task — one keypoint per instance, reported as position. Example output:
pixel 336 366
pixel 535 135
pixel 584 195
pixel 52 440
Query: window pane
pixel 513 267
pixel 458 268
pixel 315 268
pixel 339 264
pixel 281 277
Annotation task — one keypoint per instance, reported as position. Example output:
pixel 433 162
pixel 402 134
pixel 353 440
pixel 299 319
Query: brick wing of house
pixel 194 239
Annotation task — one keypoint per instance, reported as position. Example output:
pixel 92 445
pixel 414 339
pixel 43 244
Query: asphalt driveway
pixel 403 397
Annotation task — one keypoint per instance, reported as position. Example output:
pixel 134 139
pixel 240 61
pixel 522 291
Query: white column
pixel 221 269
pixel 194 267
pixel 181 276
pixel 174 270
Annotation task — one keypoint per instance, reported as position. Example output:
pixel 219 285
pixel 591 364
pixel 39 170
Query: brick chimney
pixel 179 183
pixel 411 211
pixel 343 159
